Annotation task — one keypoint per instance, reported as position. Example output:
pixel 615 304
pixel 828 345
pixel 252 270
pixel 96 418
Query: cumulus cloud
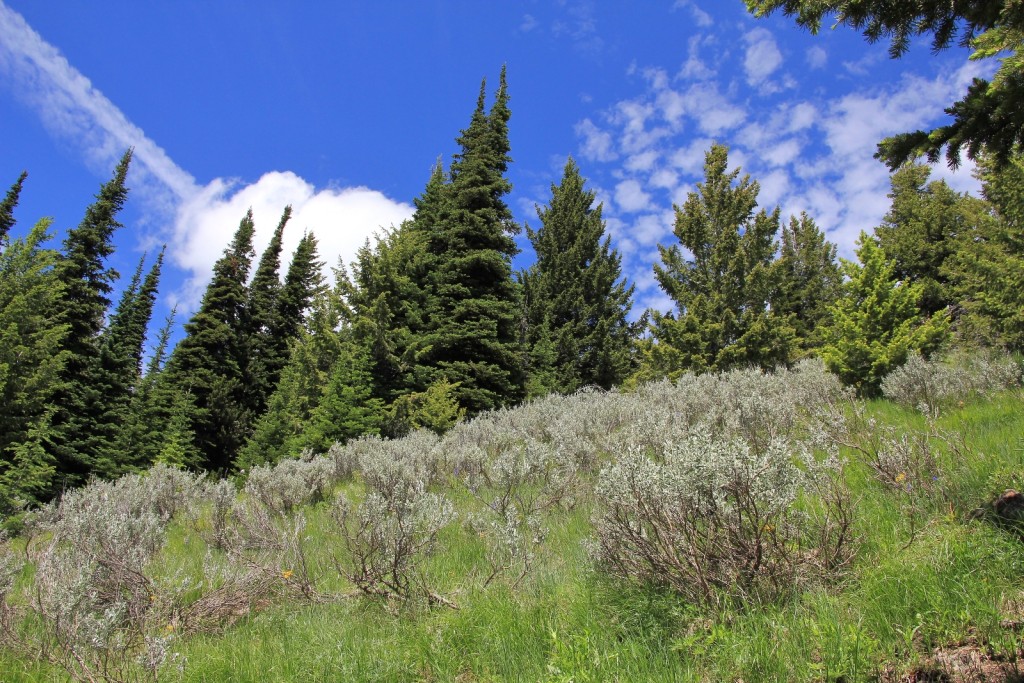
pixel 199 220
pixel 762 56
pixel 630 196
pixel 700 17
pixel 341 219
pixel 817 58
pixel 597 144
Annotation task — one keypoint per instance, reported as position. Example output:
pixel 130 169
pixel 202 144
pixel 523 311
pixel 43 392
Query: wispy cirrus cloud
pixel 196 220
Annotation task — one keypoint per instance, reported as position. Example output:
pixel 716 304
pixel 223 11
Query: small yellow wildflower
pixel 170 627
pixel 152 598
pixel 901 477
pixel 768 528
pixel 287 574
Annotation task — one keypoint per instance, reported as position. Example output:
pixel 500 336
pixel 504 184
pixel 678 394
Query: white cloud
pixel 762 56
pixel 630 196
pixel 700 17
pixel 694 68
pixel 817 58
pixel 528 23
pixel 74 110
pixel 597 144
pixel 201 220
pixel 340 218
pixel 665 179
pixel 643 161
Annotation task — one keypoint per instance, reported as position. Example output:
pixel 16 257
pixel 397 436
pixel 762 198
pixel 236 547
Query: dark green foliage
pixel 209 363
pixel 7 209
pixel 575 303
pixel 987 272
pixel 75 441
pixel 988 118
pixel 302 283
pixel 265 360
pixel 877 322
pixel 926 224
pixel 158 415
pixel 347 408
pixel 281 431
pixel 32 360
pixel 809 280
pixel 120 368
pixel 471 329
pixel 723 292
pixel 388 297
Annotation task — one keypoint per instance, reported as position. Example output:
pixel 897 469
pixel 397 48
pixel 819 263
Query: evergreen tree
pixel 576 305
pixel 32 360
pixel 877 322
pixel 387 298
pixel 158 414
pixel 347 408
pixel 926 224
pixel 303 282
pixel 264 365
pixel 809 280
pixel 723 293
pixel 987 271
pixel 120 367
pixel 281 431
pixel 7 209
pixel 77 438
pixel 209 363
pixel 471 329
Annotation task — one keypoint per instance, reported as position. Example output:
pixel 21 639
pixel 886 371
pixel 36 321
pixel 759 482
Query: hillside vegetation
pixel 742 525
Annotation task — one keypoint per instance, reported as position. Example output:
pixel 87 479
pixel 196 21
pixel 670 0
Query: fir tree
pixel 987 272
pixel 926 224
pixel 209 363
pixel 723 293
pixel 809 280
pixel 7 209
pixel 280 431
pixel 876 322
pixel 576 304
pixel 264 365
pixel 120 366
pixel 77 437
pixel 471 331
pixel 32 361
pixel 347 408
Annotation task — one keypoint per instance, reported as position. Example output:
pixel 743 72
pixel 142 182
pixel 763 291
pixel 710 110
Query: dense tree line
pixel 430 323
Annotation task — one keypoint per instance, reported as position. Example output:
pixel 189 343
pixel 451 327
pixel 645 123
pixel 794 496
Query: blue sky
pixel 341 109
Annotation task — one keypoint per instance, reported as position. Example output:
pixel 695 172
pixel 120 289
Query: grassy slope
pixel 926 575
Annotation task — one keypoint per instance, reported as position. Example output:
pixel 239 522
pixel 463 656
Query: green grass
pixel 926 575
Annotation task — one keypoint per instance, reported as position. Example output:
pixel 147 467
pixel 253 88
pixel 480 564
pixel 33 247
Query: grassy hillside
pixel 742 526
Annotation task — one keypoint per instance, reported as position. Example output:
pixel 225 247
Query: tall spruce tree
pixel 32 359
pixel 809 280
pixel 122 345
pixel 7 209
pixel 927 223
pixel 575 302
pixel 987 272
pixel 471 331
pixel 264 364
pixel 723 293
pixel 209 363
pixel 281 431
pixel 77 437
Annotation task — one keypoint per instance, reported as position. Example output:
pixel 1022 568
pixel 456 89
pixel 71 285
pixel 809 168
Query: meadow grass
pixel 928 573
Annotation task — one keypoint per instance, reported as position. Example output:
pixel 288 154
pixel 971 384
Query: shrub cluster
pixel 715 518
pixel 928 384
